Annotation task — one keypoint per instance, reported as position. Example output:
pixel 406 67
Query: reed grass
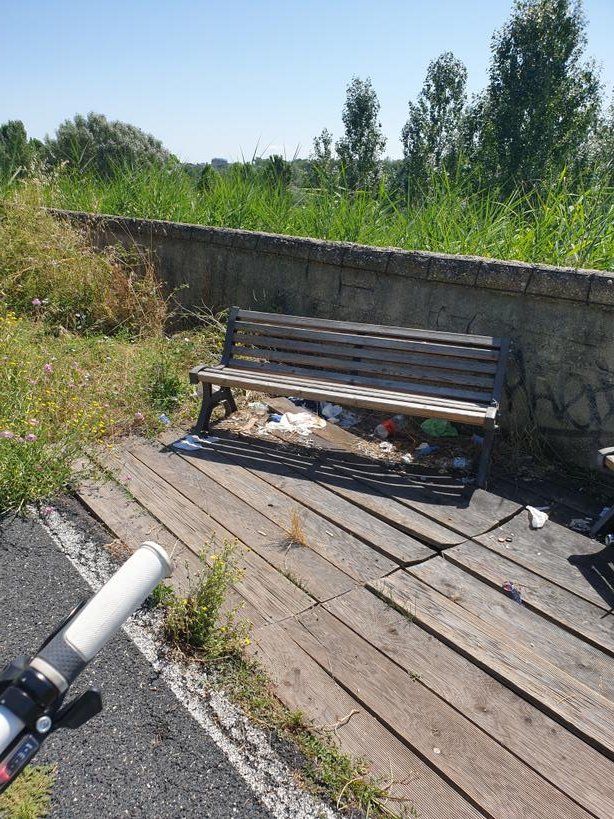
pixel 558 223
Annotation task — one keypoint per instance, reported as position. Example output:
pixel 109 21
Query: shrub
pixel 196 622
pixel 50 271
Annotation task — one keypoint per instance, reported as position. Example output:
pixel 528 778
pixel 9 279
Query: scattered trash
pixel 301 422
pixel 609 540
pixel 537 517
pixel 439 428
pixel 165 420
pixel 476 439
pixel 386 446
pixel 249 425
pixel 306 403
pixel 390 426
pixel 512 591
pixel 259 407
pixel 192 442
pixel 461 462
pixel 436 750
pixel 581 524
pixel 408 458
pixel 330 411
pixel 425 449
pixel 348 419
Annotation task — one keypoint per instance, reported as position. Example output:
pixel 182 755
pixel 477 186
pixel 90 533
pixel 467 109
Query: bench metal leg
pixel 604 523
pixel 210 401
pixel 484 466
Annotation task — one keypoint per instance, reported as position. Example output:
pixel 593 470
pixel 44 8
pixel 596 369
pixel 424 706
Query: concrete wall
pixel 561 320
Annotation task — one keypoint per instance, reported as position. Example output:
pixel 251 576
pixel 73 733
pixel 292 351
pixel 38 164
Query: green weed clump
pixel 67 385
pixel 29 797
pixel 50 271
pixel 196 622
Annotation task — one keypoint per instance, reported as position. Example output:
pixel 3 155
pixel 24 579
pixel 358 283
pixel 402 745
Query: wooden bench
pixel 424 373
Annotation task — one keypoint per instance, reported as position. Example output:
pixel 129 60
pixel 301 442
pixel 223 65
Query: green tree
pixel 542 100
pixel 15 150
pixel 430 137
pixel 322 164
pixel 98 144
pixel 361 147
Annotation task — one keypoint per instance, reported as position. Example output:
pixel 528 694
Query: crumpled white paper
pixel 301 422
pixel 537 517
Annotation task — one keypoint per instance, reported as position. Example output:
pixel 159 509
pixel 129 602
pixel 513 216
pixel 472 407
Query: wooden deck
pixel 385 621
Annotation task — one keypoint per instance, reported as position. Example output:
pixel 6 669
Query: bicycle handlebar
pixel 31 692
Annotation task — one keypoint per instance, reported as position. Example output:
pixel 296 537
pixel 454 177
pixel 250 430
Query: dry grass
pixel 50 272
pixel 297 534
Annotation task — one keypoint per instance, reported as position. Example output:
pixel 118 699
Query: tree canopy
pixel 97 144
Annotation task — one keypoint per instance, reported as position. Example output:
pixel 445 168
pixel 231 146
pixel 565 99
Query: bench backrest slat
pixel 383 330
pixel 446 366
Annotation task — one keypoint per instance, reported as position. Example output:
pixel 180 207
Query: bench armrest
pixel 194 379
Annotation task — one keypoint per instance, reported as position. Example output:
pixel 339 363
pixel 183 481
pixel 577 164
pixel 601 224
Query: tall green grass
pixel 557 224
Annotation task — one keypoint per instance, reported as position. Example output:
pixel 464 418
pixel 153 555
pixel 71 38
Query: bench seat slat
pixel 215 375
pixel 428 345
pixel 365 381
pixel 382 330
pixel 324 362
pixel 380 354
pixel 345 394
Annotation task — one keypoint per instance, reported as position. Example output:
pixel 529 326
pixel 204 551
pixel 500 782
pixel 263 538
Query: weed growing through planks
pixel 298 582
pixel 196 622
pixel 326 770
pixel 161 596
pixel 29 797
pixel 297 534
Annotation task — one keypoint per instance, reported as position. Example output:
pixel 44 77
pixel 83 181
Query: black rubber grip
pixel 63 658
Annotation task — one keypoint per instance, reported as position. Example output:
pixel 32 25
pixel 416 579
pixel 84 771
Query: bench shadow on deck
pixel 377 609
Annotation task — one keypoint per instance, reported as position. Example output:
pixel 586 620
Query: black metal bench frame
pixel 423 373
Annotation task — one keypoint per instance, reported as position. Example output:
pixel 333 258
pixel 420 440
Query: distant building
pixel 219 162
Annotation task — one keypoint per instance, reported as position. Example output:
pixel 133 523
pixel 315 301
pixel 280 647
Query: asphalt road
pixel 144 756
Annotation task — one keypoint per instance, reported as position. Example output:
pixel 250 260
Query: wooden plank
pixel 343 347
pixel 293 382
pixel 132 524
pixel 384 330
pixel 552 751
pixel 298 477
pixel 351 379
pixel 568 611
pixel 445 501
pixel 295 560
pixel 351 555
pixel 575 705
pixel 564 557
pixel 302 685
pixel 578 659
pixel 465 510
pixel 271 594
pixel 283 386
pixel 324 362
pixel 479 767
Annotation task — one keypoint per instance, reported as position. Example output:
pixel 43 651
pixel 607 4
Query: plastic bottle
pixel 390 426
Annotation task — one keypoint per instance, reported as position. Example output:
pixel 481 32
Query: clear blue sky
pixel 216 78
